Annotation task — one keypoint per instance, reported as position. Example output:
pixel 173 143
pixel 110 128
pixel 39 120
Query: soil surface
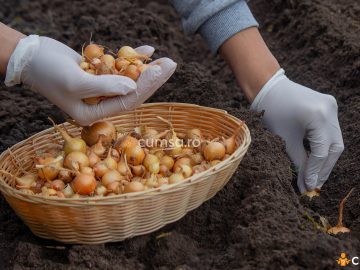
pixel 258 221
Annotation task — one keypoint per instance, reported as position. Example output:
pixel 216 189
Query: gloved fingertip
pixel 165 63
pixel 146 50
pixel 150 74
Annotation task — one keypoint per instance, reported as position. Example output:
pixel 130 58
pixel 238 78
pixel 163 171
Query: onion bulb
pixel 93 158
pixel 91 134
pixel 110 162
pixel 48 192
pixel 230 144
pixel 159 154
pixel 135 155
pixel 25 181
pixel 57 185
pixel 75 160
pixel 110 177
pixel 36 187
pixel 187 151
pixel 93 51
pixel 115 155
pixel 194 134
pixel 96 63
pixel 70 144
pixel 214 162
pixel 182 161
pixel 214 150
pixel 167 161
pixel 114 187
pixel 186 170
pixel 340 228
pixel 66 175
pixel 132 72
pixel 130 54
pixel 121 64
pixel 108 60
pixel 101 190
pixel 84 184
pixel 84 65
pixel 162 181
pixel 87 170
pixel 50 167
pixel 152 163
pixel 134 187
pixel 138 170
pixel 164 171
pixel 127 142
pixel 176 178
pixel 137 62
pixel 123 167
pixel 68 191
pixel 197 158
pixel 98 148
pixel 151 182
pixel 100 169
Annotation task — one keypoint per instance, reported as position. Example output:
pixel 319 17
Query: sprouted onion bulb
pixel 134 187
pixel 71 144
pixel 214 150
pixel 49 169
pixel 129 53
pixel 93 51
pixel 75 160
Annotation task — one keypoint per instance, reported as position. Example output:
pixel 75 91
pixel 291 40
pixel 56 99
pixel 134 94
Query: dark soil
pixel 258 221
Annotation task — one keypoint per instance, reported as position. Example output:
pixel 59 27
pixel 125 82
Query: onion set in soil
pixel 103 162
pixel 339 227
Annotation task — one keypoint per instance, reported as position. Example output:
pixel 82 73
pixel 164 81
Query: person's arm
pixel 291 110
pixel 250 60
pixel 9 38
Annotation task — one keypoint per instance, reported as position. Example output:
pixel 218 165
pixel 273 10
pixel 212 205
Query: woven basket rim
pixel 134 195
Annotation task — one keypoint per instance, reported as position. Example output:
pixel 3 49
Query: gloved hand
pixel 293 112
pixel 52 69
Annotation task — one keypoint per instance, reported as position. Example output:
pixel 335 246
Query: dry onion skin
pixel 127 62
pixel 111 164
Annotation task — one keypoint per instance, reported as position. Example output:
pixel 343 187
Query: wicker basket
pixel 108 219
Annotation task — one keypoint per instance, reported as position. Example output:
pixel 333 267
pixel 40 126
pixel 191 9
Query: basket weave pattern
pixel 96 220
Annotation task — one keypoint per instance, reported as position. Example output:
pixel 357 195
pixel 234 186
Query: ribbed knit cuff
pixel 227 23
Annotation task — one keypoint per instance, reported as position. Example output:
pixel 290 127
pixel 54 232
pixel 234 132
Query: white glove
pixel 52 69
pixel 293 112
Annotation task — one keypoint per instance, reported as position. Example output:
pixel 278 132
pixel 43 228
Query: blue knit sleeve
pixel 215 20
